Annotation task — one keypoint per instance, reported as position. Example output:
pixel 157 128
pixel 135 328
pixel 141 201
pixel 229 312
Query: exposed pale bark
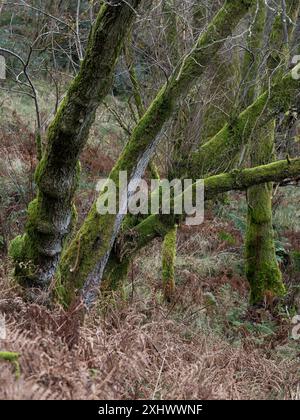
pixel 51 215
pixel 158 225
pixel 98 233
pixel 219 153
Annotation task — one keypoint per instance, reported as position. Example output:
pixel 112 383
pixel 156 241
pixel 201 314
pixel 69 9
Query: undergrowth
pixel 206 344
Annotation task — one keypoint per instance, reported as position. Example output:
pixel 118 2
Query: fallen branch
pixel 157 225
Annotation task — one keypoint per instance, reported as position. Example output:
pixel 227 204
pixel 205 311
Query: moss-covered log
pixel 9 356
pixel 51 214
pixel 158 225
pixel 99 232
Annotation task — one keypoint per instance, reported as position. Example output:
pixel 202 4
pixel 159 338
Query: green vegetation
pixel 147 306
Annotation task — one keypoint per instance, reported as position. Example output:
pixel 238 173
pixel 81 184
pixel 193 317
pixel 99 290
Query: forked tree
pixel 82 262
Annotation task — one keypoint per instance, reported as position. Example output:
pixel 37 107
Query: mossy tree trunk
pixel 262 268
pixel 158 225
pixel 168 249
pixel 92 246
pixel 13 358
pixel 51 215
pixel 213 157
pixel 219 153
pixel 171 31
pixel 252 60
pixel 168 263
pixel 137 92
pixel 213 118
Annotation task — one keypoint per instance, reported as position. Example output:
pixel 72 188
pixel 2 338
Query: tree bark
pixel 98 233
pixel 168 263
pixel 51 215
pixel 219 153
pixel 262 268
pixel 214 157
pixel 222 151
pixel 168 249
pixel 157 225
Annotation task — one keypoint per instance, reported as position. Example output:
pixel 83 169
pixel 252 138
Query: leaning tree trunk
pixel 132 240
pixel 51 215
pixel 230 139
pixel 90 250
pixel 214 157
pixel 262 268
pixel 219 153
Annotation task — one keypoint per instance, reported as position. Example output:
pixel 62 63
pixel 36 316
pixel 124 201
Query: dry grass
pixel 134 346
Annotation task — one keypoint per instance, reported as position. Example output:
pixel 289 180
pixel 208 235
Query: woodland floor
pixel 207 344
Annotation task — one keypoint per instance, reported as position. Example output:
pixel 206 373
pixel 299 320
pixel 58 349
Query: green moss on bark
pixel 96 235
pixel 168 263
pixel 251 83
pixel 50 215
pixel 279 53
pixel 116 273
pixel 262 268
pixel 158 225
pixel 218 153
